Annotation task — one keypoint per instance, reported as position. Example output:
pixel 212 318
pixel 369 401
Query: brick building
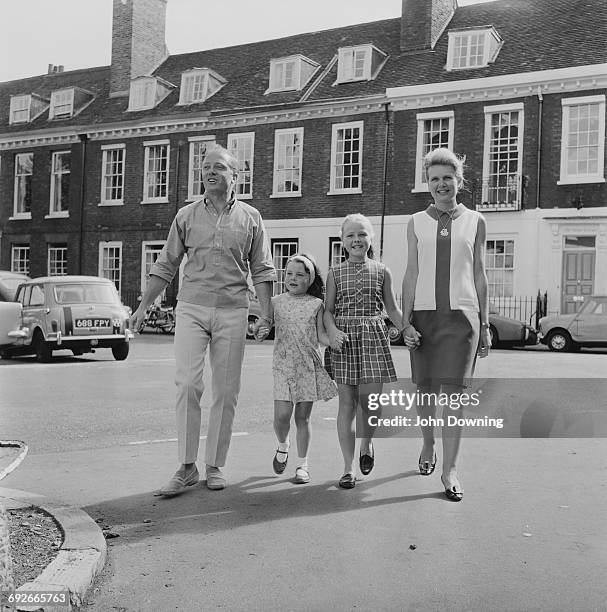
pixel 95 163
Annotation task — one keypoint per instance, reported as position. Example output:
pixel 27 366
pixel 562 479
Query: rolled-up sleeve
pixel 260 258
pixel 172 253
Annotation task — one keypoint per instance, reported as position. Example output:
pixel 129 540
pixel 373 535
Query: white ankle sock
pixel 283 447
pixel 303 462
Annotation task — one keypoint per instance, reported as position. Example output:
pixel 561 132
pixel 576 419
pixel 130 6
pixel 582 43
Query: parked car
pixel 78 313
pixel 10 323
pixel 9 281
pixel 504 331
pixel 569 332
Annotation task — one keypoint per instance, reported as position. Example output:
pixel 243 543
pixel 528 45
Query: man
pixel 224 239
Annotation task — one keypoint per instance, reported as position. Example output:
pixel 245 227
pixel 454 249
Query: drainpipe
pixel 538 241
pixel 385 186
pixel 83 141
pixel 539 145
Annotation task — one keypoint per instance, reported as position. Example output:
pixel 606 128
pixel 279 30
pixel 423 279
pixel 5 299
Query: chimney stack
pixel 52 69
pixel 423 21
pixel 138 41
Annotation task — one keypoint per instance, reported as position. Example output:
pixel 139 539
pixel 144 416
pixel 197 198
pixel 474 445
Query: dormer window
pixel 147 92
pixel 291 73
pixel 199 84
pixel 360 63
pixel 62 103
pixel 26 108
pixel 67 102
pixel 473 48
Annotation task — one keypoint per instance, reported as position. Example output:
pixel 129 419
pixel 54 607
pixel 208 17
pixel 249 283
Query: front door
pixel 578 279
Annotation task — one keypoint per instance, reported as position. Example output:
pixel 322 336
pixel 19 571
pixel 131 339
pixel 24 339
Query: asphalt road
pixel 93 401
pixel 529 534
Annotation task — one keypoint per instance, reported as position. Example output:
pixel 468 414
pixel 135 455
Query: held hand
pixel 137 320
pixel 338 338
pixel 262 333
pixel 485 343
pixel 412 337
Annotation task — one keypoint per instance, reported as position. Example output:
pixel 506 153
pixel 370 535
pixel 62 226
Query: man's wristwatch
pixel 485 325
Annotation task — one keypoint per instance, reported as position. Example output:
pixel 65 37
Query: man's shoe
pixel 179 483
pixel 215 479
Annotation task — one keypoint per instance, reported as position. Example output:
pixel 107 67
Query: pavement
pixel 79 560
pixel 529 535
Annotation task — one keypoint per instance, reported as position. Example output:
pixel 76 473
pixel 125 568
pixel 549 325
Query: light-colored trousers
pixel 223 331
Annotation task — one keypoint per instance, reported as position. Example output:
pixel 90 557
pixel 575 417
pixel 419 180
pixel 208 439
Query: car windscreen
pixel 85 293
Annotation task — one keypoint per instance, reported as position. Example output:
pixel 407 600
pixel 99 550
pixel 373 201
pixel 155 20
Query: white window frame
pixel 195 159
pixel 578 179
pixel 487 56
pixel 198 73
pixel 336 251
pixel 280 159
pixel 150 246
pixel 239 146
pixel 56 183
pixel 279 257
pixel 335 128
pixel 52 252
pixel 147 173
pixel 421 185
pixel 16 213
pixel 278 81
pixel 346 63
pixel 20 258
pixel 490 111
pixel 14 108
pixel 56 101
pixel 103 246
pixel 502 268
pixel 143 93
pixel 107 151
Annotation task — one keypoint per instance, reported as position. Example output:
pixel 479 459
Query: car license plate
pixel 92 323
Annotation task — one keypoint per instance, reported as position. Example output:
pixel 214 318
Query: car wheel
pixel 120 351
pixel 559 341
pixel 44 353
pixel 251 327
pixel 494 336
pixel 5 354
pixel 394 334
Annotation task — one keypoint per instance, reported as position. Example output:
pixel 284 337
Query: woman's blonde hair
pixel 446 157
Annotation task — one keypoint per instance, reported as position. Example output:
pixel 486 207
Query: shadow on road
pixel 256 500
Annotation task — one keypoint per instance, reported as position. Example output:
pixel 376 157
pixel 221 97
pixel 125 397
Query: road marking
pixel 236 433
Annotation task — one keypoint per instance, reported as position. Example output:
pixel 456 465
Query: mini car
pixel 504 331
pixel 570 332
pixel 9 281
pixel 78 313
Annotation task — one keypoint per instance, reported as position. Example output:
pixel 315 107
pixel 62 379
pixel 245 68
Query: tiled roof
pixel 537 35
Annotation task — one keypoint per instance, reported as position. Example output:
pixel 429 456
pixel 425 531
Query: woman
pixel 445 304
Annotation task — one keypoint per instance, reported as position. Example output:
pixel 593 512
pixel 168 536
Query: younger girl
pixel 357 292
pixel 299 376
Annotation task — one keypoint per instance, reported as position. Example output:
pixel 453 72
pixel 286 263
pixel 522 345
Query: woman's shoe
pixel 279 466
pixel 454 492
pixel 366 461
pixel 425 467
pixel 347 481
pixel 302 475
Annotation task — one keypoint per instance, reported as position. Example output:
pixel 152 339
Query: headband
pixel 309 266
